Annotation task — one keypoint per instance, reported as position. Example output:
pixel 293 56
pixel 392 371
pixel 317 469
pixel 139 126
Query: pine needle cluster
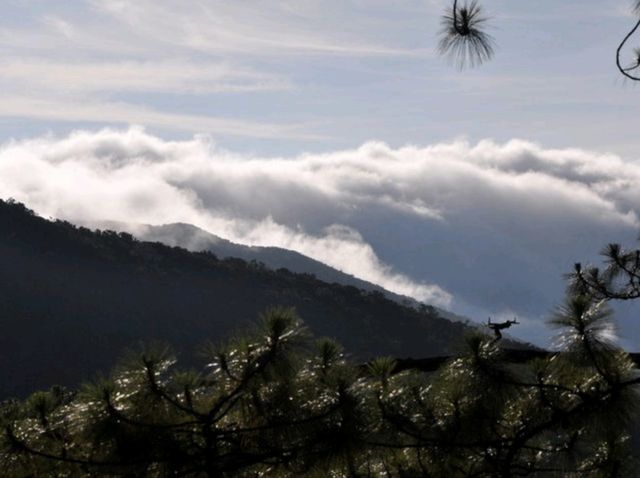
pixel 276 402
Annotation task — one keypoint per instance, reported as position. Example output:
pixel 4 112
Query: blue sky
pixel 283 77
pixel 332 128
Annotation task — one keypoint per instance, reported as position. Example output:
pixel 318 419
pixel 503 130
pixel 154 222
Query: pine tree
pixel 276 402
pixel 464 40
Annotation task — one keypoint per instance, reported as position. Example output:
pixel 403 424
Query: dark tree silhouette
pixel 630 71
pixel 463 39
pixel 498 327
pixel 273 402
pixel 619 279
pixel 265 404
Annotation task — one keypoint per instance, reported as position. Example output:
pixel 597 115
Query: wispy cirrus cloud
pixel 346 70
pixel 174 76
pixel 157 63
pixel 114 112
pixel 255 28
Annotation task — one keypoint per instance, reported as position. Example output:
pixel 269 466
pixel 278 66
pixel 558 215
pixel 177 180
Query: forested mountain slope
pixel 195 239
pixel 72 299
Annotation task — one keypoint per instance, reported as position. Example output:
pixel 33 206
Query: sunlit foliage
pixel 276 402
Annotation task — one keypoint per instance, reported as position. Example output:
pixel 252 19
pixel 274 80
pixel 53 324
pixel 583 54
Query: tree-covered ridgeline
pixel 277 402
pixel 72 299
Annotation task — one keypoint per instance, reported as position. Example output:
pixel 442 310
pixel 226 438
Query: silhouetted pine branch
pixel 462 38
pixel 274 402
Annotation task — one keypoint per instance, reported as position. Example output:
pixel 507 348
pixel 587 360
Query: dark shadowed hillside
pixel 71 299
pixel 196 239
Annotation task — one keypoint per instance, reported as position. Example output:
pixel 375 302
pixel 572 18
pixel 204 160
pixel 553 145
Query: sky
pixel 289 76
pixel 333 128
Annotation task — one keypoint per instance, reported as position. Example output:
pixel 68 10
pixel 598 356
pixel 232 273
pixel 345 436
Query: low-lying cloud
pixel 481 228
pixel 137 178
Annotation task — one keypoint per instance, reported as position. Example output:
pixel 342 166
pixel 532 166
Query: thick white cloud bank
pixel 137 178
pixel 484 228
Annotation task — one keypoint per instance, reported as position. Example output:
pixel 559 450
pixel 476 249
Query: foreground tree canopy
pixel 464 40
pixel 276 402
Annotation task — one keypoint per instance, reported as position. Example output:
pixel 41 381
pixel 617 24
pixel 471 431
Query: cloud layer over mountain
pixel 484 228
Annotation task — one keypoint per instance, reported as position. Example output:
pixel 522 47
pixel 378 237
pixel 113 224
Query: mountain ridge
pixel 196 239
pixel 72 300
